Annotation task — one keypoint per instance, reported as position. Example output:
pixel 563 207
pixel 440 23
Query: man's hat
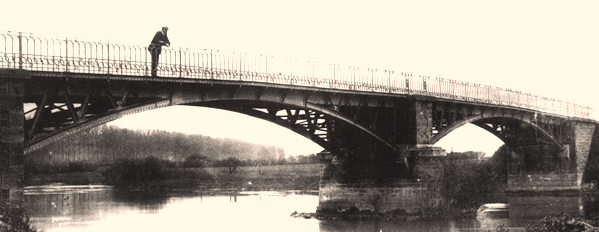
pixel 165 28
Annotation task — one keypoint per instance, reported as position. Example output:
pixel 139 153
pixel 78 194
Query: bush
pixel 151 178
pixel 132 172
pixel 460 189
pixel 195 161
pixel 15 216
pixel 232 163
pixel 170 164
pixel 564 222
pixel 81 167
pixel 466 185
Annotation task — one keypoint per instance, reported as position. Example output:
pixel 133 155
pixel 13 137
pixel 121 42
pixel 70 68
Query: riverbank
pixel 265 178
pixel 358 216
pixel 353 214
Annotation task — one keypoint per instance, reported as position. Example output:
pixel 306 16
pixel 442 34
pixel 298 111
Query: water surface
pixel 96 208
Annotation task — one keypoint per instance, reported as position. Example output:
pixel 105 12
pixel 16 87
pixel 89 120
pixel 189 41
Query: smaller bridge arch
pixel 495 127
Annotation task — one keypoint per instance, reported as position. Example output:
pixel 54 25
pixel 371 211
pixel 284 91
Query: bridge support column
pixel 12 134
pixel 580 135
pixel 342 189
pixel 419 151
pixel 420 131
pixel 421 125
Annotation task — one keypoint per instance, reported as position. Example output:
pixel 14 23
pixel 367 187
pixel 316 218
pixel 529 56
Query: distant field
pixel 275 177
pixel 299 170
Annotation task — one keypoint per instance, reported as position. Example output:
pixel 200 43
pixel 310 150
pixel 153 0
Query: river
pixel 96 208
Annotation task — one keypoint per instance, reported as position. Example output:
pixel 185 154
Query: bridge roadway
pixel 347 110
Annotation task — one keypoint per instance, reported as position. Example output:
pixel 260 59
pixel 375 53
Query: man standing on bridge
pixel 159 40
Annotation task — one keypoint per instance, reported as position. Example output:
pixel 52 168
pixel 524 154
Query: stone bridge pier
pixel 11 133
pixel 581 138
pixel 368 175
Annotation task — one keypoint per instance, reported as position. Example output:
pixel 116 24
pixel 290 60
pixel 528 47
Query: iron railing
pixel 39 53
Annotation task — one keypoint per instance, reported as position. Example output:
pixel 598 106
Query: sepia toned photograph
pixel 308 116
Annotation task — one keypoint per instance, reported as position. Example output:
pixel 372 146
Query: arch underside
pixel 308 120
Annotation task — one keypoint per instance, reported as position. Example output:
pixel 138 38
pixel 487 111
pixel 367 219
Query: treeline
pixel 176 146
pixel 466 155
pixel 104 145
pixel 301 159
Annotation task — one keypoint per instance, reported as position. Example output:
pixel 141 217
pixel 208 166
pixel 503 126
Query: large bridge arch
pixel 238 103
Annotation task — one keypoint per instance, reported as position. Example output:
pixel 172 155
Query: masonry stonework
pixel 336 195
pixel 12 135
pixel 422 126
pixel 582 137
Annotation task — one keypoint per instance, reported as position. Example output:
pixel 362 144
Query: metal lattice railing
pixel 39 53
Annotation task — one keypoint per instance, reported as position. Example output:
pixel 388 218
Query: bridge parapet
pixel 59 55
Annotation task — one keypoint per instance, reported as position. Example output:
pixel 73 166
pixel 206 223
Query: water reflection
pixel 76 207
pixel 92 210
pixel 100 209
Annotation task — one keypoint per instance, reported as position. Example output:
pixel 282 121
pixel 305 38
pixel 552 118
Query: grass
pixel 79 178
pixel 276 177
pixel 152 176
pixel 273 170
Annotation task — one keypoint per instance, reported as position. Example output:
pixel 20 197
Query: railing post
pixel 66 51
pixel 388 80
pixel 239 70
pixel 180 55
pixel 266 71
pixel 146 60
pixel 371 79
pixel 20 51
pixel 407 83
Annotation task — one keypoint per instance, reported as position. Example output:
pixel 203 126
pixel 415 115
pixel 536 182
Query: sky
pixel 547 48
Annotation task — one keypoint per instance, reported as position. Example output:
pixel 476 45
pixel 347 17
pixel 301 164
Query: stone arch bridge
pixel 52 88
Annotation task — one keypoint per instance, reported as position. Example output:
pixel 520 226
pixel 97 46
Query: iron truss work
pixel 54 105
pixel 512 126
pixel 309 123
pixel 516 133
pixel 70 105
pixel 56 56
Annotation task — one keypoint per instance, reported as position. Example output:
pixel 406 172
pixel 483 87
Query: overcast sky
pixel 548 48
